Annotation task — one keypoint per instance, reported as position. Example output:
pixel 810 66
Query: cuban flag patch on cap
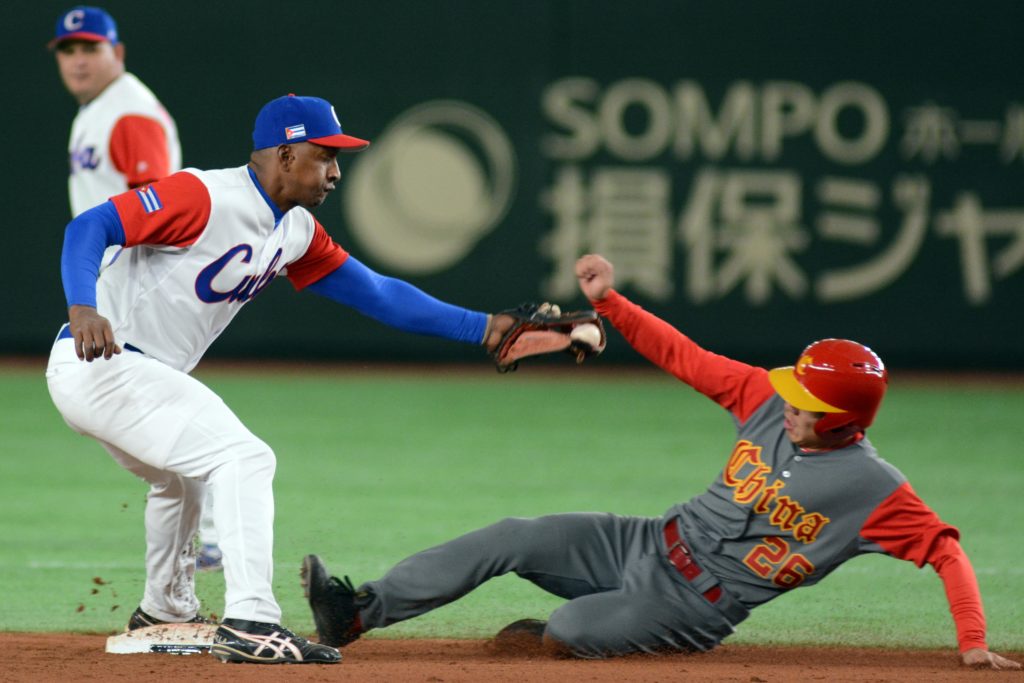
pixel 298 131
pixel 150 201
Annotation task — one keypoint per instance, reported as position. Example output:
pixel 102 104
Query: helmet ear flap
pixel 832 423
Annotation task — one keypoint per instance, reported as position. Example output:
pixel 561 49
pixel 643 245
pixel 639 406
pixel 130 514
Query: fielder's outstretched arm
pixel 399 304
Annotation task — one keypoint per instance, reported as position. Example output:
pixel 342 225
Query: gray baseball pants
pixel 623 594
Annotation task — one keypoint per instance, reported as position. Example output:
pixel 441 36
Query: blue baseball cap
pixel 85 23
pixel 291 119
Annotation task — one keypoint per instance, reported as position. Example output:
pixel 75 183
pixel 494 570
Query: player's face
pixel 799 425
pixel 313 174
pixel 88 67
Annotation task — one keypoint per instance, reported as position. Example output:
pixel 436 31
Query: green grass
pixel 372 467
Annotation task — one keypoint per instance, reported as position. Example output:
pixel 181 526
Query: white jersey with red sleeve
pixel 199 245
pixel 121 139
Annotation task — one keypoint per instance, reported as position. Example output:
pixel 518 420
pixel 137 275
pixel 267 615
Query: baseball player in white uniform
pixel 197 246
pixel 121 138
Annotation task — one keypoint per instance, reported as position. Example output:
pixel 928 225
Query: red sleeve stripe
pixel 323 256
pixel 905 527
pixel 138 149
pixel 173 211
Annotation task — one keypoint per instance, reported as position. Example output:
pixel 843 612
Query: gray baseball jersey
pixel 777 517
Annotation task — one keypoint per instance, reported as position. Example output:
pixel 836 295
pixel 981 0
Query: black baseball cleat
pixel 238 640
pixel 333 602
pixel 140 619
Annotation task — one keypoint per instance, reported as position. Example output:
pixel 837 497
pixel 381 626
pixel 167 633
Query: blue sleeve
pixel 85 240
pixel 399 304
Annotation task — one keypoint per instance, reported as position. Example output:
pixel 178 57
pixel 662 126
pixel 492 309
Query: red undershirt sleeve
pixel 736 386
pixel 908 529
pixel 138 149
pixel 323 256
pixel 173 211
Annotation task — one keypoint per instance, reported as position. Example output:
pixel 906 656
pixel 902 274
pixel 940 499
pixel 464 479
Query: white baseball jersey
pixel 202 244
pixel 116 143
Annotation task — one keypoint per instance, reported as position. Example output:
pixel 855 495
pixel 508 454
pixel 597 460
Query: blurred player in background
pixel 198 245
pixel 121 138
pixel 802 492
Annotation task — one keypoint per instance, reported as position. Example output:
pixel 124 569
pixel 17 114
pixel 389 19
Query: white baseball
pixel 587 333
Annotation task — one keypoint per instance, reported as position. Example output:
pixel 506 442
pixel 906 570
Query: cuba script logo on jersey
pixel 250 286
pixel 83 159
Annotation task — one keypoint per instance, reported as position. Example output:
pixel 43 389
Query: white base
pixel 177 639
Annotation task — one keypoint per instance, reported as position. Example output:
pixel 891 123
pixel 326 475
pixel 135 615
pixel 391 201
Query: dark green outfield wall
pixel 762 173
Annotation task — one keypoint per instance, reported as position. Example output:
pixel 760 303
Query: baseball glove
pixel 540 329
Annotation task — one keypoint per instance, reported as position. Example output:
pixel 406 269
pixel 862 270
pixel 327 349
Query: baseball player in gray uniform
pixel 802 491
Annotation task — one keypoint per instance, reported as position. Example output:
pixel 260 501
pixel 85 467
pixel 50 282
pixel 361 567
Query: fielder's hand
pixel 498 326
pixel 983 659
pixel 93 334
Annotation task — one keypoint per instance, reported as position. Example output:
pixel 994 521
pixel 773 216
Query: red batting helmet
pixel 841 378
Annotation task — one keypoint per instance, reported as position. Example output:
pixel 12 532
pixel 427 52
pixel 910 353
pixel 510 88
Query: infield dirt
pixel 63 657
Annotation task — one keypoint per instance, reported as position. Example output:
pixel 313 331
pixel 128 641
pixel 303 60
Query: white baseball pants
pixel 175 433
